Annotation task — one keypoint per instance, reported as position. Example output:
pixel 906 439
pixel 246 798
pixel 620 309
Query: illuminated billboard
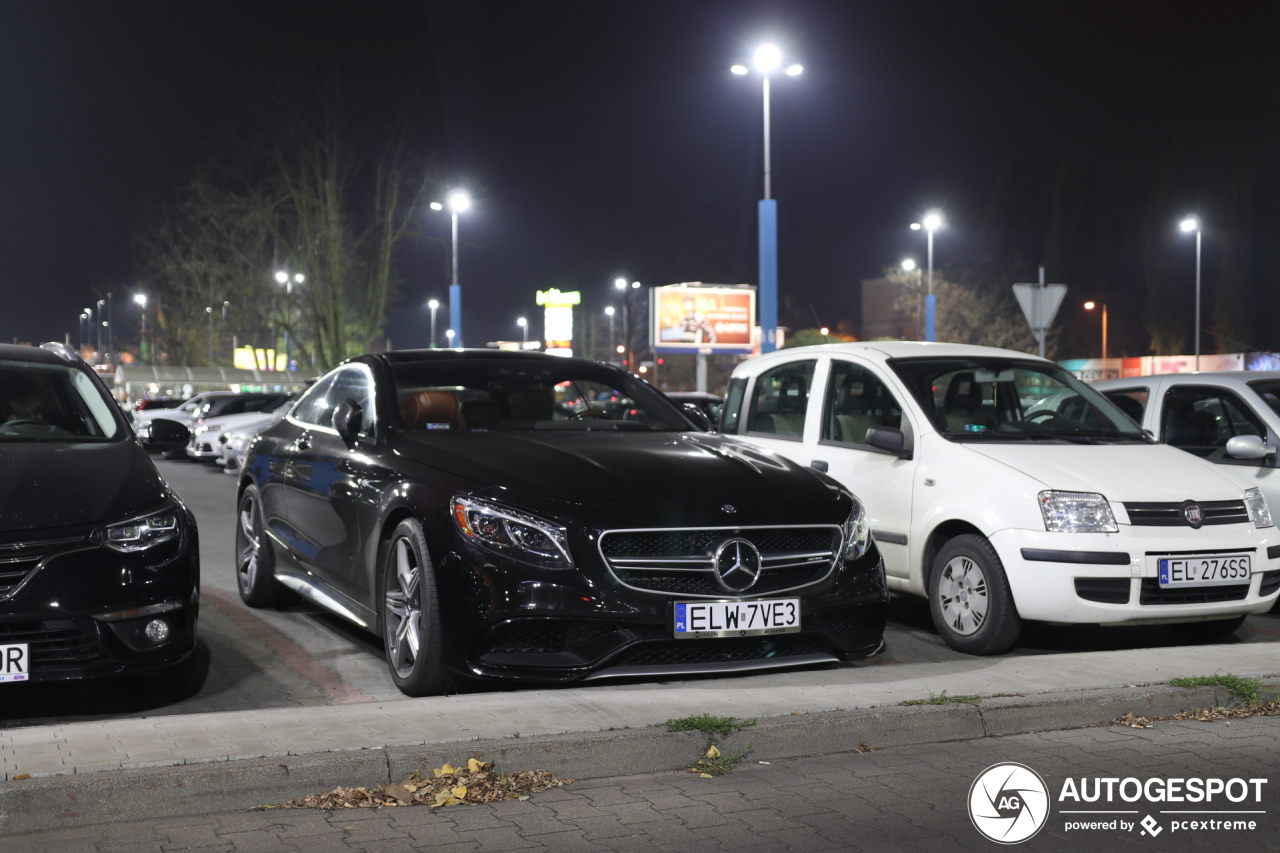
pixel 694 317
pixel 558 319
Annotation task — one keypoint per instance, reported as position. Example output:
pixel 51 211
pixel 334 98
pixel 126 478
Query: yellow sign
pixel 248 358
pixel 555 299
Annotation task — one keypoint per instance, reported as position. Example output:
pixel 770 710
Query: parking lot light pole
pixel 932 222
pixel 1089 306
pixel 768 59
pixel 609 312
pixel 910 265
pixel 523 323
pixel 457 201
pixel 433 304
pixel 1188 225
pixel 141 300
pixel 448 336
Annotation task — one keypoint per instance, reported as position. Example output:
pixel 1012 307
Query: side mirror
pixel 889 439
pixel 167 435
pixel 347 417
pixel 1248 447
pixel 699 417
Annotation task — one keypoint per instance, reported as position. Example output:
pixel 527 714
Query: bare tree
pixel 968 313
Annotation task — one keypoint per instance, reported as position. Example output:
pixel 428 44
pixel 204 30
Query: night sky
pixel 609 138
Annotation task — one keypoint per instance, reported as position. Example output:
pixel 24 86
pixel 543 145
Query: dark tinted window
pixel 1131 401
pixel 527 394
pixel 1269 391
pixel 1200 420
pixel 52 402
pixel 857 400
pixel 313 408
pixel 729 414
pixel 780 399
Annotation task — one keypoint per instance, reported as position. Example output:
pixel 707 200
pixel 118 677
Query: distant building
pixel 880 319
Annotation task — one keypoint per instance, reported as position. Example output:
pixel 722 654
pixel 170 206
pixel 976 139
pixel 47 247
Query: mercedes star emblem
pixel 737 565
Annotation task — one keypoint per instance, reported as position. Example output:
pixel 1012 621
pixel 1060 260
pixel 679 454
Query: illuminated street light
pixel 932 221
pixel 768 59
pixel 621 284
pixel 448 334
pixel 1192 223
pixel 433 304
pixel 435 205
pixel 282 277
pixel 609 312
pixel 1089 306
pixel 458 201
pixel 140 299
pixel 908 264
pixel 524 330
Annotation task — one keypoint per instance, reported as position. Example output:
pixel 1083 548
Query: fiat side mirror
pixel 889 439
pixel 1248 447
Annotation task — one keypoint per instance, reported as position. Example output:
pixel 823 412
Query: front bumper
pixel 1112 578
pixel 58 610
pixel 583 625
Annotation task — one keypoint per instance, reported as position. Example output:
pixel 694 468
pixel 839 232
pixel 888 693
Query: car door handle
pixel 303 443
pixel 818 465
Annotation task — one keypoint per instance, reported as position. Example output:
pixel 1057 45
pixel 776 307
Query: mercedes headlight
pixel 857 532
pixel 1077 512
pixel 512 533
pixel 143 532
pixel 1258 509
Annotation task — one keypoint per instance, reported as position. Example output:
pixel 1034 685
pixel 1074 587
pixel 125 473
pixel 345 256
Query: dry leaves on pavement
pixel 476 782
pixel 1204 715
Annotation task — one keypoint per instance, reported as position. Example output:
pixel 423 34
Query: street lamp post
pixel 621 284
pixel 1089 306
pixel 448 335
pixel 609 312
pixel 910 265
pixel 523 323
pixel 1188 225
pixel 458 201
pixel 932 222
pixel 141 300
pixel 100 325
pixel 283 277
pixel 768 59
pixel 433 304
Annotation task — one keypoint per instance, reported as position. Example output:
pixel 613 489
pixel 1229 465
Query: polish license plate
pixel 14 659
pixel 1206 570
pixel 703 619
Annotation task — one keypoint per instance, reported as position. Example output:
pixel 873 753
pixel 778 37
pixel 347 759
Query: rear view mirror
pixel 890 439
pixel 347 418
pixel 167 435
pixel 699 417
pixel 1248 447
pixel 984 375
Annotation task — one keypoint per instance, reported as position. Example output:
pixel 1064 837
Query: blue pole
pixel 455 313
pixel 768 274
pixel 930 302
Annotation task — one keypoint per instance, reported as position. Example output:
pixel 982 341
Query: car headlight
pixel 203 428
pixel 1077 512
pixel 141 533
pixel 857 532
pixel 1258 509
pixel 512 533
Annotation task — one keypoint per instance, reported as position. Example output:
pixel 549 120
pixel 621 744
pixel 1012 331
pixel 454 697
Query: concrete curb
pixel 85 799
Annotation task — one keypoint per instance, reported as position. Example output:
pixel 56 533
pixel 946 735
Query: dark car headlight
pixel 857 532
pixel 512 533
pixel 142 532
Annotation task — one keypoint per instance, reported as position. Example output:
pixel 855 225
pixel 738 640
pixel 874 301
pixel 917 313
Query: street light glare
pixel 608 311
pixel 459 201
pixel 1089 306
pixel 908 264
pixel 739 69
pixel 1189 224
pixel 433 304
pixel 620 283
pixel 521 322
pixel 448 333
pixel 915 226
pixel 282 276
pixel 621 349
pixel 793 70
pixel 768 58
pixel 141 299
pixel 299 278
pixel 435 205
pixel 824 331
pixel 933 220
pixel 634 285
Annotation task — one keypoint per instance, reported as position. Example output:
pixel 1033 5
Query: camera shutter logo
pixel 1009 803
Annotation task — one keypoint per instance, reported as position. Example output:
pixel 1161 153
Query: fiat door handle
pixel 818 465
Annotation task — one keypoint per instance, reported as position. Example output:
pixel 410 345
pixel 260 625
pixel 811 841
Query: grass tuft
pixel 1241 689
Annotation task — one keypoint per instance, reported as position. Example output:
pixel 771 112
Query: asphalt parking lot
pixel 301 656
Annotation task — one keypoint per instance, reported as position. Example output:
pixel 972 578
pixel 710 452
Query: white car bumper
pixel 1113 577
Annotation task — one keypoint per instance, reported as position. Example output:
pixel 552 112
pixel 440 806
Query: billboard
pixel 696 317
pixel 557 320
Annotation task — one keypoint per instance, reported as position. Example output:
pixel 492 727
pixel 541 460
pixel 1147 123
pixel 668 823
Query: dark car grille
pixel 732 650
pixel 1153 594
pixel 1171 515
pixel 19 559
pixel 528 636
pixel 1270 583
pixel 1103 590
pixel 679 562
pixel 53 645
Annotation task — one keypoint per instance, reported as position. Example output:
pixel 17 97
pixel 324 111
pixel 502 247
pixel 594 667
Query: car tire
pixel 409 615
pixel 970 600
pixel 1215 630
pixel 255 561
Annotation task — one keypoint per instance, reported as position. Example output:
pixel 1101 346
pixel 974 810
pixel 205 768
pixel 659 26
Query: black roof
pixel 404 356
pixel 12 352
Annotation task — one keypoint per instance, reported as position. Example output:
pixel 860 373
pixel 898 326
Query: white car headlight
pixel 857 532
pixel 513 533
pixel 1258 509
pixel 143 532
pixel 1077 512
pixel 203 428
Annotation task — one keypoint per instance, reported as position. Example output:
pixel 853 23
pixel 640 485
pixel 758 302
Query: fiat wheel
pixel 969 598
pixel 410 615
pixel 255 562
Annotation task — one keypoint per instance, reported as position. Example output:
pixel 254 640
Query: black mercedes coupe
pixel 525 517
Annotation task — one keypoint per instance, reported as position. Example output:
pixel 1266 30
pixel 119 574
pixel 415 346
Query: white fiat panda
pixel 1003 489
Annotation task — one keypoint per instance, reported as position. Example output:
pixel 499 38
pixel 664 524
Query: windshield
pixel 515 394
pixel 52 402
pixel 993 399
pixel 1269 391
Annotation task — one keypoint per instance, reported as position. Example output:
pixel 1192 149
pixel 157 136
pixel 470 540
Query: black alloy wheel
pixel 255 562
pixel 970 600
pixel 410 615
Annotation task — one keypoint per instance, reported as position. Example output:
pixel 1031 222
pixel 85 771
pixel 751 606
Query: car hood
pixel 618 467
pixel 49 485
pixel 1121 472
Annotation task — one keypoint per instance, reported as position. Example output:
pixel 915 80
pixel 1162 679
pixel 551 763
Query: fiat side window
pixel 857 400
pixel 1201 420
pixel 780 400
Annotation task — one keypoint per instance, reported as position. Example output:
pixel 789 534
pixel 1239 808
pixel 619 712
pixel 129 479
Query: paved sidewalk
pixel 906 798
pixel 198 738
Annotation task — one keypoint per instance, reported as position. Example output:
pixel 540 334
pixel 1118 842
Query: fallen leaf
pixel 523 797
pixel 400 793
pixel 460 791
pixel 447 770
pixel 706 776
pixel 713 752
pixel 21 776
pixel 474 766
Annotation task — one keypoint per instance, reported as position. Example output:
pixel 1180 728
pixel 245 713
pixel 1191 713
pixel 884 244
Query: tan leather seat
pixel 431 407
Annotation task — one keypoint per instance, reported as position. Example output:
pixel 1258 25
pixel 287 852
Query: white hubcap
pixel 962 594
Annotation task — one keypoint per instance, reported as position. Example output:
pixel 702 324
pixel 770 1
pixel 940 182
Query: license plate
pixel 702 619
pixel 1207 570
pixel 13 662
